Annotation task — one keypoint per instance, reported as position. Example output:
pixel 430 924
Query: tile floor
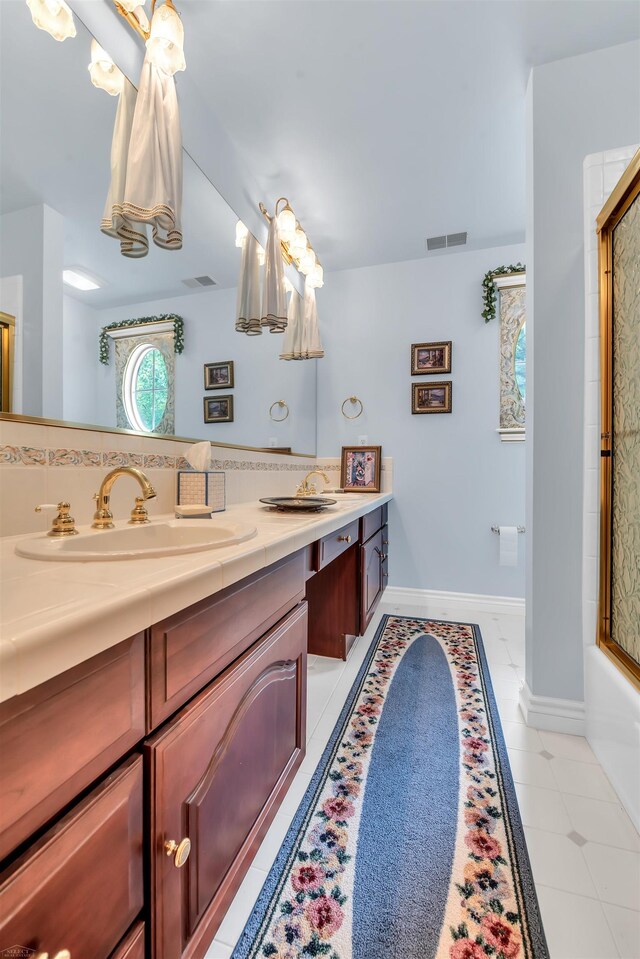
pixel 584 850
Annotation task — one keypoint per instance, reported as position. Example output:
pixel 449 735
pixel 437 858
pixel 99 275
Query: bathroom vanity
pixel 141 774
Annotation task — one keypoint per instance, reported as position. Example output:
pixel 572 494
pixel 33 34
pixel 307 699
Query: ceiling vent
pixel 444 242
pixel 197 281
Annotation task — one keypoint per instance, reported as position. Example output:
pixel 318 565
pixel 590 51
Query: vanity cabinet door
pixel 372 573
pixel 81 885
pixel 217 773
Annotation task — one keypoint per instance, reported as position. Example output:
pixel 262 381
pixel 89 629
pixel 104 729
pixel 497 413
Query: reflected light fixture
pixel 286 221
pixel 241 234
pixel 54 16
pixel 298 244
pixel 165 46
pixel 307 261
pixel 315 278
pixel 104 73
pixel 79 281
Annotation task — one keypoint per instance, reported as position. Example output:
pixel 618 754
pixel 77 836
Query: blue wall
pixel 452 476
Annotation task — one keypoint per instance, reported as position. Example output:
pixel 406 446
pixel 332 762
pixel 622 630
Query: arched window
pixel 144 387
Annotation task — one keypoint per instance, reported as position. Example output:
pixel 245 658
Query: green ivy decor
pixel 178 332
pixel 489 288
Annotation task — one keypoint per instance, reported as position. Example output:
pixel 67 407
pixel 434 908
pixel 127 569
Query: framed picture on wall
pixel 218 376
pixel 430 358
pixel 361 469
pixel 218 409
pixel 431 397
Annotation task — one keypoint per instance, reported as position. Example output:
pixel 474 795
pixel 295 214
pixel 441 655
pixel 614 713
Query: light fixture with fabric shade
pixel 298 244
pixel 315 277
pixel 104 73
pixel 294 244
pixel 54 16
pixel 165 46
pixel 307 260
pixel 241 234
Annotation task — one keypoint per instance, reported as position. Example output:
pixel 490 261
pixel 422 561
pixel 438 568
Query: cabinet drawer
pixel 191 648
pixel 335 543
pixel 132 946
pixel 217 774
pixel 95 709
pixel 371 522
pixel 81 886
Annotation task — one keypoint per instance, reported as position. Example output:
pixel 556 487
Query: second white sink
pixel 131 542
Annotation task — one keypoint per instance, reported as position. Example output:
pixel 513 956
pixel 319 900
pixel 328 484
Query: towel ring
pixel 354 400
pixel 278 419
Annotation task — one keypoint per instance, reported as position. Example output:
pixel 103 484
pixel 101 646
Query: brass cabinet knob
pixel 180 849
pixel 344 539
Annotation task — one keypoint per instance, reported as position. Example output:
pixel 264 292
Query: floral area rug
pixel 408 842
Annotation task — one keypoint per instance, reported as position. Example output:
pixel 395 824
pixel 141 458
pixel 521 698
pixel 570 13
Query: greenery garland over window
pixel 489 288
pixel 178 332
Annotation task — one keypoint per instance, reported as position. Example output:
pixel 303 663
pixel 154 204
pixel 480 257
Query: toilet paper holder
pixel 496 529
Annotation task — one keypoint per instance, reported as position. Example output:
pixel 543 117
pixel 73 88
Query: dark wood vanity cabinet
pixel 217 773
pixel 374 563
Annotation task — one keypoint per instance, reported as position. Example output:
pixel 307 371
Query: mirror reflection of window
pixel 513 355
pixel 7 331
pixel 145 382
pixel 520 361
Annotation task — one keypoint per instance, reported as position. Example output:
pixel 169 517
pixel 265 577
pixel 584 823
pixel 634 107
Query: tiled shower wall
pixel 47 464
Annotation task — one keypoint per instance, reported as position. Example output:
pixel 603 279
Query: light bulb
pixel 241 234
pixel 307 261
pixel 165 46
pixel 298 244
pixel 54 16
pixel 261 255
pixel 315 278
pixel 287 224
pixel 104 73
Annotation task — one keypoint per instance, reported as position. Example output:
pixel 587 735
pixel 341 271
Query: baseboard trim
pixel 553 715
pixel 405 596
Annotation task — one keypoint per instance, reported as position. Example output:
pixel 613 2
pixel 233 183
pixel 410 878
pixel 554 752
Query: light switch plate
pixel 363 439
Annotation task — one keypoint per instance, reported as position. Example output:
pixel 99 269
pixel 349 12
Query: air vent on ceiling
pixel 196 281
pixel 443 242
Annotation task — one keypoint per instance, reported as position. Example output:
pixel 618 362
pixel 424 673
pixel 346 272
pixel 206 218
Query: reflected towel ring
pixel 354 400
pixel 278 419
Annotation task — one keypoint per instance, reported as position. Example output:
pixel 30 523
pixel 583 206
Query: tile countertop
pixel 55 615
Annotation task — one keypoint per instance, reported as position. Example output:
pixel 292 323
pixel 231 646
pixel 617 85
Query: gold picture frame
pixel 218 409
pixel 219 376
pixel 431 397
pixel 7 351
pixel 623 196
pixel 361 469
pixel 430 358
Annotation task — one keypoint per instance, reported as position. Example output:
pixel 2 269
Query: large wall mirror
pixel 55 145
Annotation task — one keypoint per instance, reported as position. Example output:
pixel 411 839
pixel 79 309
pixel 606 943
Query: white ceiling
pixel 384 121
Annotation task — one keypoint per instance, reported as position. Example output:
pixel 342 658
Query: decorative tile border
pixel 31 456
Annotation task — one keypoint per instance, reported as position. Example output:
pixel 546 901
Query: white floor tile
pixel 240 909
pixel 568 747
pixel 575 927
pixel 497 653
pixel 558 862
pixel 504 690
pixel 582 779
pixel 503 673
pixel 531 769
pixel 602 822
pixel 625 927
pixel 519 736
pixel 272 841
pixel 296 791
pixel 510 711
pixel 543 809
pixel 218 950
pixel 616 873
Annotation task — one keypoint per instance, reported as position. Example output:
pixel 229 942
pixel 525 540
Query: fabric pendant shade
pixel 274 297
pixel 248 302
pixel 292 348
pixel 311 344
pixel 132 236
pixel 152 157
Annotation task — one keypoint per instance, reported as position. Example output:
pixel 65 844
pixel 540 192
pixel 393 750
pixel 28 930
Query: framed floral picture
pixel 218 376
pixel 431 397
pixel 430 358
pixel 218 409
pixel 361 468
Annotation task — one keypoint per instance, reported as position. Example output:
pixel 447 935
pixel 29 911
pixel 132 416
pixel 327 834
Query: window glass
pixel 520 361
pixel 145 388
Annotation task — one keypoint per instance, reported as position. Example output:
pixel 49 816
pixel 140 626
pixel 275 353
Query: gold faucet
pixel 103 517
pixel 309 490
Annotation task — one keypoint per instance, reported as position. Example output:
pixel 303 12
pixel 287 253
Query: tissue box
pixel 206 486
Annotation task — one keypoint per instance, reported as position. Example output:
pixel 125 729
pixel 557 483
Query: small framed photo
pixel 430 358
pixel 360 469
pixel 218 376
pixel 431 397
pixel 218 409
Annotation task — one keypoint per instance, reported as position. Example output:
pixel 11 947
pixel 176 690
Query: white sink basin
pixel 137 542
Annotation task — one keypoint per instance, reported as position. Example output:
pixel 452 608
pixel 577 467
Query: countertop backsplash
pixel 47 464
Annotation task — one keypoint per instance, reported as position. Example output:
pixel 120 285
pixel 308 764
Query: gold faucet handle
pixel 63 524
pixel 138 513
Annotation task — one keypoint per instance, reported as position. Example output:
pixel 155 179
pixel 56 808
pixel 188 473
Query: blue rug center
pixel 407 835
